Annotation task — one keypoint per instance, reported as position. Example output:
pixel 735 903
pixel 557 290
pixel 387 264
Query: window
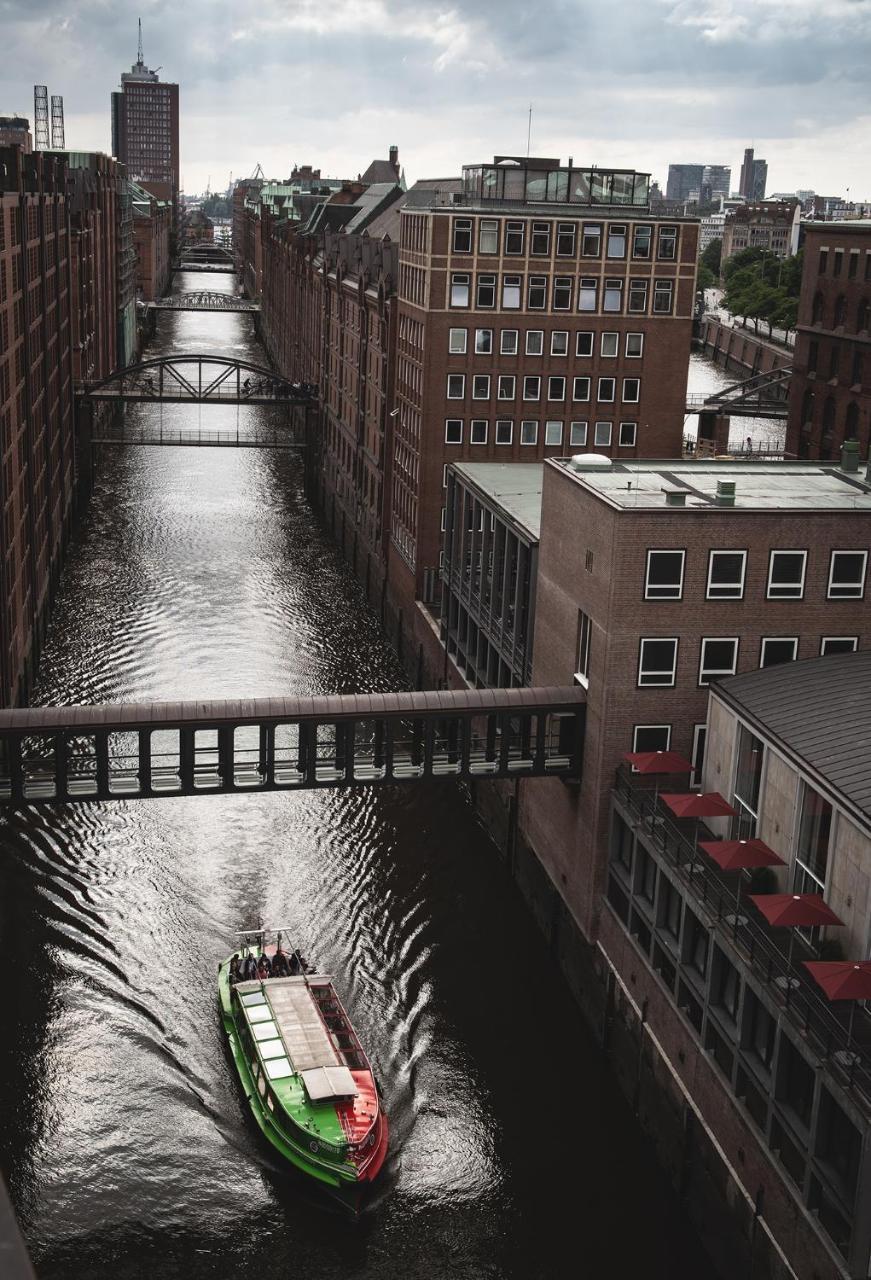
pixel 507 386
pixel 663 292
pixel 812 847
pixel 528 432
pixel 559 343
pixel 504 431
pixel 454 431
pixel 628 435
pixel 534 342
pixel 853 265
pixel 511 290
pixel 610 344
pixel 748 780
pixel 459 290
pixel 631 390
pixel 553 433
pixel 824 258
pixel 663 578
pixel 651 737
pixel 641 241
pixel 565 239
pixel 719 657
pixel 778 649
pixel 481 386
pixel 700 733
pixel 540 243
pixel 577 434
pixel 638 297
pixel 634 345
pixel 486 296
pixel 602 434
pixel 592 241
pixel 478 431
pixel 838 262
pixel 584 343
pixel 786 575
pixel 514 235
pixel 556 388
pixel 536 293
pixel 488 236
pixel 462 235
pixel 667 248
pixel 587 293
pixel 606 390
pixel 838 644
pixel 531 387
pixel 508 344
pixel 847 575
pixel 613 298
pixel 582 659
pixel 457 341
pixel 616 241
pixel 726 575
pixel 657 663
pixel 456 386
pixel 562 293
pixel 483 342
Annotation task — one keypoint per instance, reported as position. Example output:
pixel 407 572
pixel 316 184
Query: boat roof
pixel 291 1037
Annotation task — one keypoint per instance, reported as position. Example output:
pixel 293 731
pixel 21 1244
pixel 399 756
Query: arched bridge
pixel 765 395
pixel 203 300
pixel 145 750
pixel 199 379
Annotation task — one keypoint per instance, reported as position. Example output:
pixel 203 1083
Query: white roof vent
pixel 589 461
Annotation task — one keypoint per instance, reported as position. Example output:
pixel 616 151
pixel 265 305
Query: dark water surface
pixel 123 1130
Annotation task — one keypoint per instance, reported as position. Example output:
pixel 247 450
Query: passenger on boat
pixel 235 970
pixel 249 968
pixel 264 969
pixel 280 964
pixel 297 964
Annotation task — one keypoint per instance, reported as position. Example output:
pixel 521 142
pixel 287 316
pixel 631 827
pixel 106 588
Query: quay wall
pixel 739 350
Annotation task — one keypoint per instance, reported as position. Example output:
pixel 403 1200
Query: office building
pixel 770 225
pixel 684 182
pixel 145 131
pixel 754 177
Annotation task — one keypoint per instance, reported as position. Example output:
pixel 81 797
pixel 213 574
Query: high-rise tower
pixel 145 130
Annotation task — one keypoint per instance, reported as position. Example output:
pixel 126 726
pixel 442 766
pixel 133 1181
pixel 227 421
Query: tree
pixel 706 279
pixel 712 255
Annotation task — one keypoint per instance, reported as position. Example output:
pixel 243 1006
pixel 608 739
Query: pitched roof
pixel 380 171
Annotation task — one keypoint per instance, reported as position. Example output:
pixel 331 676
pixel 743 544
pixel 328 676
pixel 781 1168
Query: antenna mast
pixel 529 132
pixel 57 123
pixel 139 52
pixel 40 116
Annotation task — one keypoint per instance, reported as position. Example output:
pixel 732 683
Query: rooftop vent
pixel 589 461
pixel 675 497
pixel 850 455
pixel 725 493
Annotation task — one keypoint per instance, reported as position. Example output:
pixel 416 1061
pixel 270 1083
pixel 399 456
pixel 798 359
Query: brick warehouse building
pixel 830 392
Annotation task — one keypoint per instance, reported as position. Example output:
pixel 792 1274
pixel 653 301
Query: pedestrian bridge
pixel 762 396
pixel 203 300
pixel 149 750
pixel 198 379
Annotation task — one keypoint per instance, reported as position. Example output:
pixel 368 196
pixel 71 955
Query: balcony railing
pixel 751 937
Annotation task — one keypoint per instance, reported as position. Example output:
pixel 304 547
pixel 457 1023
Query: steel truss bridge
pixel 762 396
pixel 199 379
pixel 203 301
pixel 200 264
pixel 51 755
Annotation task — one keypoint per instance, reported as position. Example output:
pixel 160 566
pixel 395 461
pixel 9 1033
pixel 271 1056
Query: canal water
pixel 123 1132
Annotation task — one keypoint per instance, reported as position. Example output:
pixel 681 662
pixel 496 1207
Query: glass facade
pixel 538 182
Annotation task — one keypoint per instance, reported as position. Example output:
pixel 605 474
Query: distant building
pixel 151 237
pixel 754 177
pixel 712 225
pixel 684 181
pixel 15 132
pixel 772 225
pixel 716 181
pixel 145 131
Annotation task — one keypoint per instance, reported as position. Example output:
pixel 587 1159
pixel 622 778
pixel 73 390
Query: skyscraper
pixel 754 176
pixel 684 181
pixel 145 130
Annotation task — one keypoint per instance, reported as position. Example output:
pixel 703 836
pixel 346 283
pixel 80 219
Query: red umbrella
pixel 735 855
pixel 658 762
pixel 794 911
pixel 693 804
pixel 843 980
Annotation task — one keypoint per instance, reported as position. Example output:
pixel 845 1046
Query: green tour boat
pixel 308 1082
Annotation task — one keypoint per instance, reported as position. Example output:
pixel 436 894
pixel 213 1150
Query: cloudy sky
pixel 634 83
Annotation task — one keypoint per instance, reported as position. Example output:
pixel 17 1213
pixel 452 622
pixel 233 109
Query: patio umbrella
pixel 794 911
pixel 658 762
pixel 843 980
pixel 695 804
pixel 738 855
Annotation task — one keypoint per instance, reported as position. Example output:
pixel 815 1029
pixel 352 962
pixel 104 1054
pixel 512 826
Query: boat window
pixel 259 1013
pixel 270 1102
pixel 253 997
pixel 265 1031
pixel 271 1049
pixel 261 1086
pixel 278 1068
pixel 255 1067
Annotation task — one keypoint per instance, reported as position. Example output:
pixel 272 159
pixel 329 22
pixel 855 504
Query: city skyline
pixel 334 88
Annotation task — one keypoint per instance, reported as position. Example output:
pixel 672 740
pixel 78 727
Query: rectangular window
pixel 508 344
pixel 613 297
pixel 748 780
pixel 478 431
pixel 528 432
pixel 641 240
pixel 488 236
pixel 565 239
pixel 628 435
pixel 582 658
pixel 534 342
pixel 486 295
pixel 540 243
pixel 507 386
pixel 584 343
pixel 824 257
pixel 663 294
pixel 459 290
pixel 504 431
pixel 536 293
pixel 454 431
pixel 777 649
pixel 559 342
pixel 483 342
pixel 651 737
pixel 514 237
pixel 638 297
pixel 553 433
pixel 587 293
pixel 631 390
pixel 581 389
pixel 602 435
pixel 786 571
pixel 511 291
pixel 457 342
pixel 847 575
pixel 634 345
pixel 838 644
pixel 667 247
pixel 531 387
pixel 812 847
pixel 700 732
pixel 838 262
pixel 853 266
pixel 577 434
pixel 562 293
pixel 616 241
pixel 610 345
pixel 726 571
pixel 592 241
pixel 663 579
pixel 556 388
pixel 605 392
pixel 456 386
pixel 481 386
pixel 657 662
pixel 719 657
pixel 462 235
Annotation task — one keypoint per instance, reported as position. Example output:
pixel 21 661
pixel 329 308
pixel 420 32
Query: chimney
pixel 850 455
pixel 725 493
pixel 394 159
